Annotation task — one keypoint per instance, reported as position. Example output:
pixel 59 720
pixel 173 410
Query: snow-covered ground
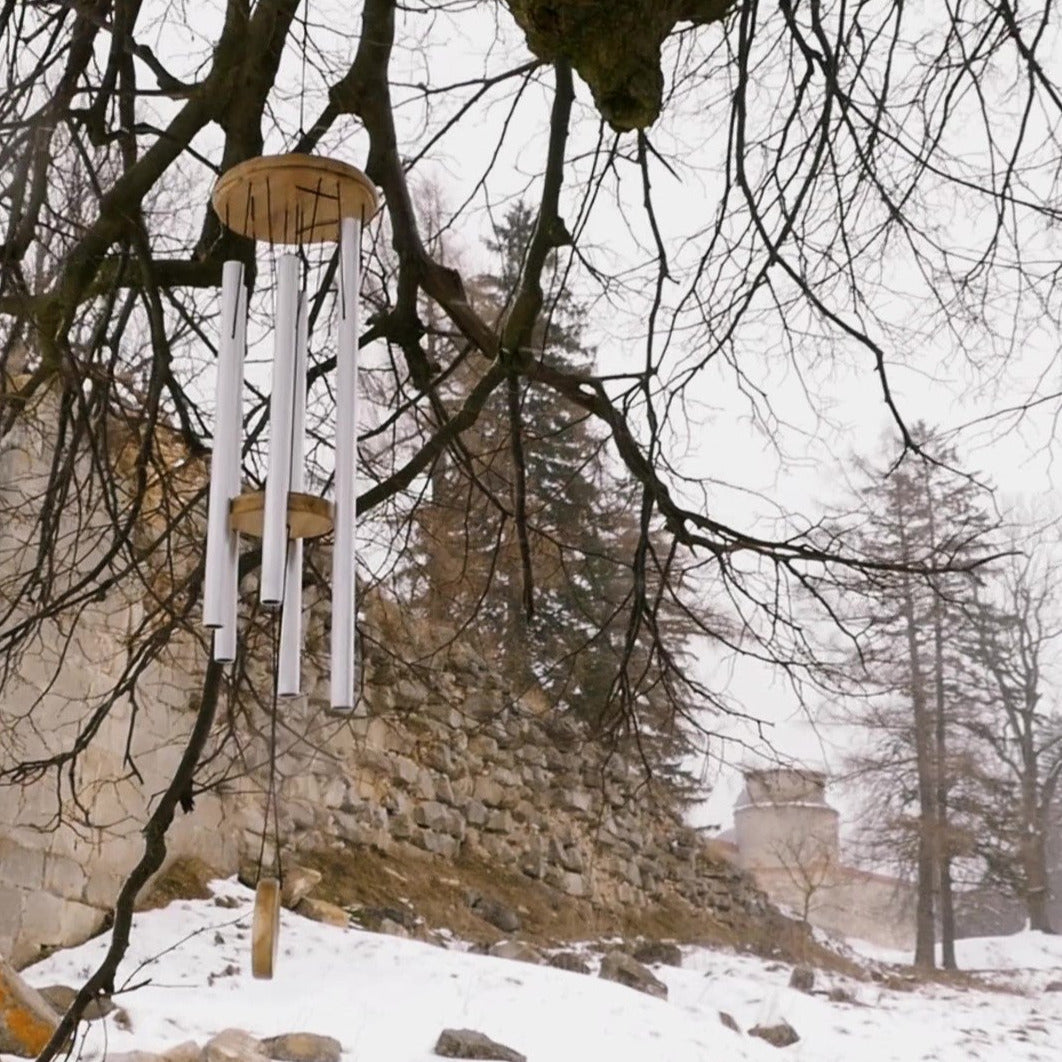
pixel 386 999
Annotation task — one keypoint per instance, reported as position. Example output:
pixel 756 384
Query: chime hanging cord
pixel 302 88
pixel 272 804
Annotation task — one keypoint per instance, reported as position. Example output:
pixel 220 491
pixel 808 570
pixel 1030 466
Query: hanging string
pixel 271 808
pixel 302 89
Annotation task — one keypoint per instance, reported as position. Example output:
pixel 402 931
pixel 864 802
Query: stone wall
pixel 452 767
pixel 440 757
pixel 70 832
pixel 448 762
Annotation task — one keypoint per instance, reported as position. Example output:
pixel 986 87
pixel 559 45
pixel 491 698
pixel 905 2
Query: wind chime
pixel 298 202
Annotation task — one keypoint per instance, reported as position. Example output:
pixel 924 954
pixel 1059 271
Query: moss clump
pixel 614 45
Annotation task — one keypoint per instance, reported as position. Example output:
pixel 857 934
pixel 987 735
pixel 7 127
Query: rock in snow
pixel 27 1020
pixel 729 1021
pixel 663 952
pixel 233 1045
pixel 303 1047
pixel 467 1043
pixel 621 968
pixel 519 950
pixel 781 1034
pixel 570 961
pixel 802 978
pixel 496 913
pixel 323 911
pixel 299 882
pixel 188 1051
pixel 62 996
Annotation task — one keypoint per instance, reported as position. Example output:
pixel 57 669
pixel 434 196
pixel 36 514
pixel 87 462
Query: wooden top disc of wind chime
pixel 293 199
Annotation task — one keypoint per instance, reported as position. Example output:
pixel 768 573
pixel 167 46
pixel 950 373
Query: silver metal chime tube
pixel 289 663
pixel 343 557
pixel 221 576
pixel 281 408
pixel 225 636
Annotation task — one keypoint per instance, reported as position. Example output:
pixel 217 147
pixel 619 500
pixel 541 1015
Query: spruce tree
pixel 582 532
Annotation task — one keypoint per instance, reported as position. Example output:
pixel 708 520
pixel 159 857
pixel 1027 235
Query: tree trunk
pixel 941 832
pixel 1036 888
pixel 925 927
pixel 1034 851
pixel 947 911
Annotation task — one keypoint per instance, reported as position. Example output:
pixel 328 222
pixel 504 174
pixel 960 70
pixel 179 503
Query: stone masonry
pixel 439 757
pixel 452 764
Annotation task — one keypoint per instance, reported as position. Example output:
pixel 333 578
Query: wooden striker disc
pixel 265 929
pixel 308 515
pixel 292 199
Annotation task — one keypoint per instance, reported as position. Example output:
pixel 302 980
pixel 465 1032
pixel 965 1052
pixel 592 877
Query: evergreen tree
pixel 922 517
pixel 575 644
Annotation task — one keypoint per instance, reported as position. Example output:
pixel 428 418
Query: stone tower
pixel 782 819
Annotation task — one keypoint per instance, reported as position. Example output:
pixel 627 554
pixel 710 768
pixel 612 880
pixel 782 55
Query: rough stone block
pixel 533 864
pixel 446 714
pixel 621 968
pixel 440 844
pixel 401 826
pixel 481 705
pixel 537 779
pixel 565 881
pixel 482 745
pixel 467 1043
pixel 21 866
pixel 432 815
pixel 334 793
pixel 410 694
pixel 781 1034
pixel 455 824
pixel 462 787
pixel 233 1045
pixel 299 882
pixel 533 755
pixel 405 770
pixel 659 952
pixel 487 791
pixel 567 856
pixel 506 778
pixel 302 1047
pixel 398 803
pixel 517 950
pixel 476 813
pixel 443 790
pixel 318 911
pixel 26 1020
pixel 63 877
pixel 51 921
pixel 498 914
pixel 526 812
pixel 499 822
pixel 578 800
pixel 61 997
pixel 186 1051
